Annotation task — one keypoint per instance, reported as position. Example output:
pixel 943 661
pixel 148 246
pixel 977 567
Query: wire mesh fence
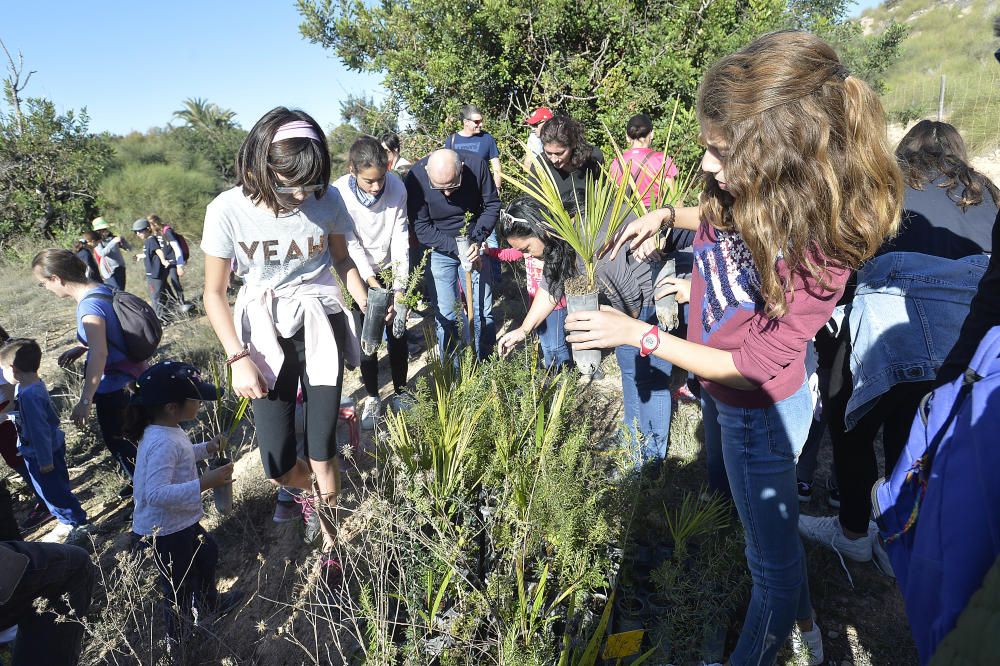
pixel 969 101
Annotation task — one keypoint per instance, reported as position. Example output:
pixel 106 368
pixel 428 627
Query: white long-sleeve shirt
pixel 167 489
pixel 381 236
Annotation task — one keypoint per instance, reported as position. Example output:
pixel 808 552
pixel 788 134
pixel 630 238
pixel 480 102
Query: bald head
pixel 444 167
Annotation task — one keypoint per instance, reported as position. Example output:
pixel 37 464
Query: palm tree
pixel 199 113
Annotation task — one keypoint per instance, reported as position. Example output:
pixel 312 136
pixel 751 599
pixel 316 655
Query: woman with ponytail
pixel 800 188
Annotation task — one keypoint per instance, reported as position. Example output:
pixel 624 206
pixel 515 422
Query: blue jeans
pixel 759 449
pixel 443 275
pixel 646 396
pixel 552 337
pixel 53 487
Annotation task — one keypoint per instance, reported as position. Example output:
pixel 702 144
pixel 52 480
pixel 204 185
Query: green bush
pixel 177 195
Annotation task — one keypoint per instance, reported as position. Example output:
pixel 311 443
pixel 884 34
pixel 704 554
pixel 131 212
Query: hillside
pixel 955 39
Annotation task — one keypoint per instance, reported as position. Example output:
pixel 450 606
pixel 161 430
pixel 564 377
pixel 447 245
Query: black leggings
pixel 854 450
pixel 274 416
pixel 399 357
pixel 186 561
pixel 110 408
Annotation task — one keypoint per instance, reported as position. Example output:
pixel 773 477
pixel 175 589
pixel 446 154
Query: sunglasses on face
pixel 299 189
pixel 475 122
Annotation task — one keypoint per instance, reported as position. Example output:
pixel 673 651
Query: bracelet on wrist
pixel 243 353
pixel 669 222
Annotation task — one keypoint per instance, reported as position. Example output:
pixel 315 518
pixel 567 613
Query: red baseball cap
pixel 541 114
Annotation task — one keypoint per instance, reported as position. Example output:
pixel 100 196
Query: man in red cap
pixel 537 120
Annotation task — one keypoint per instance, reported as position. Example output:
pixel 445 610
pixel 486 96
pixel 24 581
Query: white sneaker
pixel 58 533
pixel 370 413
pixel 826 530
pixel 808 644
pixel 881 557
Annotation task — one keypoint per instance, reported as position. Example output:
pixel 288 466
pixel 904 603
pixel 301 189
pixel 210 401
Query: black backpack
pixel 141 327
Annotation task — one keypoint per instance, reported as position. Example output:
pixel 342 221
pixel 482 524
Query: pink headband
pixel 296 129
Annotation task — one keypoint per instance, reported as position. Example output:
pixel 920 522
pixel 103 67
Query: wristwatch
pixel 85 402
pixel 649 342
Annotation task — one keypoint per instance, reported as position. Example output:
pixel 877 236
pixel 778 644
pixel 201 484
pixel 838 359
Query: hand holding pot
pixel 680 287
pixel 603 329
pixel 473 256
pixel 248 382
pixel 219 476
pixel 510 340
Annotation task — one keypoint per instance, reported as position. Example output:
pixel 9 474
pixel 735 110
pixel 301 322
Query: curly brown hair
pixel 932 149
pixel 810 176
pixel 568 132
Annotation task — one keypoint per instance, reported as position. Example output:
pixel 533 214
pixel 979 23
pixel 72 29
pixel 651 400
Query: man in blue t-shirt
pixel 472 139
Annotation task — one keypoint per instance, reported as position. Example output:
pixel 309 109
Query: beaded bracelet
pixel 243 353
pixel 673 217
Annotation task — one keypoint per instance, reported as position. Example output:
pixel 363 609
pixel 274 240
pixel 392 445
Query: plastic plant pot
pixel 629 612
pixel 657 605
pixel 666 307
pixel 374 326
pixel 463 253
pixel 399 321
pixel 223 495
pixel 587 360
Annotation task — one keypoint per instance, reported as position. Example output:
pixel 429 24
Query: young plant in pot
pixel 462 241
pixel 587 230
pixel 225 416
pixel 379 295
pixel 654 189
pixel 409 298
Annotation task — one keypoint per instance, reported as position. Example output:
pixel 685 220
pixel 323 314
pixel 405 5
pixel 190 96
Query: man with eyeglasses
pixel 441 188
pixel 472 139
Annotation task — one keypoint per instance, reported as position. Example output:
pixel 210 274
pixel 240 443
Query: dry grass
pixel 280 621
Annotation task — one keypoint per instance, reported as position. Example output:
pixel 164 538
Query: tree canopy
pixel 599 62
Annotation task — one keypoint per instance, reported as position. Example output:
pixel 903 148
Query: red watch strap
pixel 645 350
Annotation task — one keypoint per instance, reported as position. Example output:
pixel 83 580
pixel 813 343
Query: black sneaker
pixel 805 491
pixel 310 515
pixel 126 491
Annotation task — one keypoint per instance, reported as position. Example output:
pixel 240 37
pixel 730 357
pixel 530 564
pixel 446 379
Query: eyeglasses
pixel 450 186
pixel 299 189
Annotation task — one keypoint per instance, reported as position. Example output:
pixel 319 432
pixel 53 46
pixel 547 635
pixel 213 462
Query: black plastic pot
pixel 666 307
pixel 374 326
pixel 223 495
pixel 629 612
pixel 587 360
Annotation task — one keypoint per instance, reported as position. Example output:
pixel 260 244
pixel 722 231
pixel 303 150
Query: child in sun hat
pixel 168 490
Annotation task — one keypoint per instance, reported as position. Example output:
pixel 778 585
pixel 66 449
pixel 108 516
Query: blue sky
pixel 133 63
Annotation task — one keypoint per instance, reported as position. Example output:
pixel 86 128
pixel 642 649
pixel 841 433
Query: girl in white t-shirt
pixel 285 227
pixel 376 202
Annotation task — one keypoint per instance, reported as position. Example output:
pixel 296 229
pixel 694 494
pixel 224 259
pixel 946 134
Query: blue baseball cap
pixel 172 381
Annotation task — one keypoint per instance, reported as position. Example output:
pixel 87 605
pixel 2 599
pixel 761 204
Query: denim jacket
pixel 904 319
